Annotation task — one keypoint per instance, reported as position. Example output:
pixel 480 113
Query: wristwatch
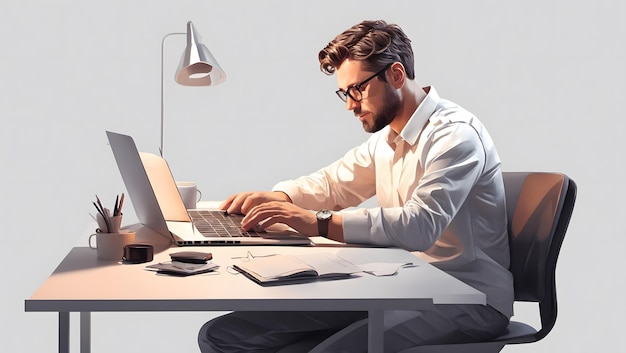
pixel 323 218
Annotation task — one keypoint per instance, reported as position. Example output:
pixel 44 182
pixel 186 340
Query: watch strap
pixel 323 219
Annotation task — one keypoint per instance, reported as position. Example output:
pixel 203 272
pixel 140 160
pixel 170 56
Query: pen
pixel 115 210
pixel 119 209
pixel 100 204
pixel 97 208
pixel 103 213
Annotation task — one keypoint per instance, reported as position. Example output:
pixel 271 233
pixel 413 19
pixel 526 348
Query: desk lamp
pixel 197 66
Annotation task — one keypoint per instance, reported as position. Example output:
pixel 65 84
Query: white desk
pixel 82 283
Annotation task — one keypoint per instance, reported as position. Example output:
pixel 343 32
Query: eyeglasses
pixel 354 91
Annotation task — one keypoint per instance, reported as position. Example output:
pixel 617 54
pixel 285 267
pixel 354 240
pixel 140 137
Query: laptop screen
pixel 149 183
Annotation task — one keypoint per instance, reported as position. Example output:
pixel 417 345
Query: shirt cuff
pixel 356 226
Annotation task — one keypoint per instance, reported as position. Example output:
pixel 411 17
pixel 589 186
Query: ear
pixel 397 75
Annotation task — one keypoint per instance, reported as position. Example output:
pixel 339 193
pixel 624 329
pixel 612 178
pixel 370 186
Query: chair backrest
pixel 539 207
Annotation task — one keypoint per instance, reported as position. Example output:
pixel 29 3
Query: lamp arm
pixel 162 60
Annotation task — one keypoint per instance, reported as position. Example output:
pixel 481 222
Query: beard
pixel 391 107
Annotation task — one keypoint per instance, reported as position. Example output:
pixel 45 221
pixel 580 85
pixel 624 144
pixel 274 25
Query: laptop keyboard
pixel 215 223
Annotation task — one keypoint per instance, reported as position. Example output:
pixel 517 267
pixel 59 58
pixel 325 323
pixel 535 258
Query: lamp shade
pixel 197 65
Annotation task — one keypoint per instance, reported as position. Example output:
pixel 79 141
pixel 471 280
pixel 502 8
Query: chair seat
pixel 517 332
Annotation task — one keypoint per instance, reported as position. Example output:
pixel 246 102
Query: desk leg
pixel 375 334
pixel 64 332
pixel 85 332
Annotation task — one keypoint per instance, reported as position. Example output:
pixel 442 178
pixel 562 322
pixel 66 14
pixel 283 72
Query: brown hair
pixel 376 43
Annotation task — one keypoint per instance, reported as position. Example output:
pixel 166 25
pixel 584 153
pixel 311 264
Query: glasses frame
pixel 343 95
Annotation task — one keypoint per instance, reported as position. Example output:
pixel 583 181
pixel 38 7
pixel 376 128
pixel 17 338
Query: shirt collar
pixel 418 120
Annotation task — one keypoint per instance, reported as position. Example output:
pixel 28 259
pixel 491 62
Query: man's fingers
pixel 236 201
pixel 227 203
pixel 260 213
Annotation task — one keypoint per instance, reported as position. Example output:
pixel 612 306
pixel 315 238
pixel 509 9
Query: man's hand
pixel 243 202
pixel 268 213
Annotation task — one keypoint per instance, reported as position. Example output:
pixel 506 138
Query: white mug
pixel 110 246
pixel 189 193
pixel 113 224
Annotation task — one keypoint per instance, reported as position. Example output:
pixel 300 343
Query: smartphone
pixel 193 257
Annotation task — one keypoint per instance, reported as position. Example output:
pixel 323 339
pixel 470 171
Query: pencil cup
pixel 189 193
pixel 110 246
pixel 114 225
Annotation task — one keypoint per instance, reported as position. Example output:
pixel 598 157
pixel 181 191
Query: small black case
pixel 138 253
pixel 193 257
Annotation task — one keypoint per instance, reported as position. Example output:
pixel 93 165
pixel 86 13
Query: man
pixel 437 177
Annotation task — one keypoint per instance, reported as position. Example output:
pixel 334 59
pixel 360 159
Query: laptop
pixel 159 206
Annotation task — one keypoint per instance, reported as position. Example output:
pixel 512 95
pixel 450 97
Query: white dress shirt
pixel 440 193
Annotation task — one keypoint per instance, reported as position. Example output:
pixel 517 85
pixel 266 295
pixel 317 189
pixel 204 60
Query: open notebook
pixel 159 206
pixel 284 269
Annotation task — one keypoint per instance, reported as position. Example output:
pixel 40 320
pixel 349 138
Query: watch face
pixel 324 214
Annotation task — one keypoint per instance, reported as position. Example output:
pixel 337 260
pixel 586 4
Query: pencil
pixel 121 203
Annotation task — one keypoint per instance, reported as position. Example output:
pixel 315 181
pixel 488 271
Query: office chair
pixel 539 208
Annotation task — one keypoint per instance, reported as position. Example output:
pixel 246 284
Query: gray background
pixel 546 77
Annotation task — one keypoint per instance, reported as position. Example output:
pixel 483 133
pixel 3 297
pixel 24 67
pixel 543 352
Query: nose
pixel 351 104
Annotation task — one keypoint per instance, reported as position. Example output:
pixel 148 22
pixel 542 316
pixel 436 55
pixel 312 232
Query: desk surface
pixel 83 283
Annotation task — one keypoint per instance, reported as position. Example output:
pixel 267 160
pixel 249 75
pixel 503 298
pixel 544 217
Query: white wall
pixel 546 77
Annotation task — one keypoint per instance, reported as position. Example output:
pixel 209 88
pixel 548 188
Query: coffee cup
pixel 110 246
pixel 189 193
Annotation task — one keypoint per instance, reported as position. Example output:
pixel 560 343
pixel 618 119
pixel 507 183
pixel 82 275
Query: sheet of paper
pixel 379 269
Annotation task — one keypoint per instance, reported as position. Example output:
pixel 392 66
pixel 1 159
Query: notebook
pixel 159 206
pixel 286 269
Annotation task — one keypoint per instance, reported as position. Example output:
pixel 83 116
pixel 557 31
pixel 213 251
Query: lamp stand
pixel 162 60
